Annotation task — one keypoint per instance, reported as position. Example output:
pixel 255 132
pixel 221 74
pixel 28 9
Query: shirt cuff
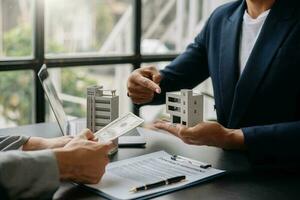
pixel 12 142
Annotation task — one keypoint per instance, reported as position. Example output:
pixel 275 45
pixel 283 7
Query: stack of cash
pixel 119 127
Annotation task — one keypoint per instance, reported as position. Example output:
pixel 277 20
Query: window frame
pixel 39 58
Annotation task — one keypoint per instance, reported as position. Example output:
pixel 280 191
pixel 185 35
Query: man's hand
pixel 142 84
pixel 206 133
pixel 83 160
pixel 38 143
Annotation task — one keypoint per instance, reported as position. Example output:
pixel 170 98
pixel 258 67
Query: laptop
pixel 67 127
pixel 72 127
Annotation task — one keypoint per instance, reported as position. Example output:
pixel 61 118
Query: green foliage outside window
pixel 18 42
pixel 75 84
pixel 16 87
pixel 16 99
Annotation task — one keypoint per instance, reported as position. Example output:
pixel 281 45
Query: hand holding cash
pixel 118 127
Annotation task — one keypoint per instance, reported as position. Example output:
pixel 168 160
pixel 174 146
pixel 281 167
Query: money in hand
pixel 118 127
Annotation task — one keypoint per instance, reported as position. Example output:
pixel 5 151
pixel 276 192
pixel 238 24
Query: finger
pixel 139 101
pixel 147 83
pixel 152 73
pixel 135 88
pixel 165 120
pixel 141 96
pixel 107 146
pixel 149 71
pixel 169 127
pixel 87 134
pixel 110 145
pixel 190 141
pixel 156 78
pixel 141 92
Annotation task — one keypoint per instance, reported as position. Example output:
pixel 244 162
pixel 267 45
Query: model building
pixel 102 107
pixel 185 107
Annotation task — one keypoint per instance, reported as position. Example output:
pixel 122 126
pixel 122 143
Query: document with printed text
pixel 123 175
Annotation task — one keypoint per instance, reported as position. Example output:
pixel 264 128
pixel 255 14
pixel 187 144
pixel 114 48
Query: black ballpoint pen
pixel 168 181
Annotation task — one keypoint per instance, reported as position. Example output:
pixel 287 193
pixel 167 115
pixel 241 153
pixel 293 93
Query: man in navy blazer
pixel 258 110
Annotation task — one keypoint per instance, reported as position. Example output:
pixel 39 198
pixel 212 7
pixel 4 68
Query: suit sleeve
pixel 274 144
pixel 187 70
pixel 28 174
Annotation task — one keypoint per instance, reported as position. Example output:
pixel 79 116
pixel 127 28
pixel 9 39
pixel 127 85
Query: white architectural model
pixel 102 108
pixel 185 107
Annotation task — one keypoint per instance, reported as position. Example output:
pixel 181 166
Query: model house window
pixel 175 100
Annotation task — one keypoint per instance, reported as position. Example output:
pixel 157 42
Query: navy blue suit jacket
pixel 265 100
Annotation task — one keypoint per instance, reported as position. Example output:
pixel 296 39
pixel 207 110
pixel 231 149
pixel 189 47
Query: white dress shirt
pixel 250 31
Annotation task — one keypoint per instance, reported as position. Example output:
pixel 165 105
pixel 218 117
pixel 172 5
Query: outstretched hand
pixel 205 133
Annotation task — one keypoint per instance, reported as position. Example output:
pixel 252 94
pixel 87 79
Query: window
pixel 161 19
pixel 174 100
pixel 71 84
pixel 176 119
pixel 173 108
pixel 16 98
pixel 16 29
pixel 99 27
pixel 87 42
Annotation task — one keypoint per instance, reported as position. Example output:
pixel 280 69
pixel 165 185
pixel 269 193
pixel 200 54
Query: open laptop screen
pixel 54 101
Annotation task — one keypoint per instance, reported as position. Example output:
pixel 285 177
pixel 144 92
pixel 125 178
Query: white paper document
pixel 123 175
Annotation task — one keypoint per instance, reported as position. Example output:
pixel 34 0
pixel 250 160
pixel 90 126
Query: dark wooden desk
pixel 241 182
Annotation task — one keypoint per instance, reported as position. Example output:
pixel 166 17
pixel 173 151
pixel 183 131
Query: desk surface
pixel 241 182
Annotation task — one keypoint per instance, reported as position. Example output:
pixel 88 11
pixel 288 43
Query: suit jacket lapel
pixel 228 67
pixel 273 33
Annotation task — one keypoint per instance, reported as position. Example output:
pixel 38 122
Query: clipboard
pixel 122 175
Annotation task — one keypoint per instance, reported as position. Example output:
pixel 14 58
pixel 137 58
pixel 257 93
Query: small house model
pixel 102 107
pixel 185 107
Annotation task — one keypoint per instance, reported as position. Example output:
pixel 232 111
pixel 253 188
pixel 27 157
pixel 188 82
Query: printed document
pixel 123 175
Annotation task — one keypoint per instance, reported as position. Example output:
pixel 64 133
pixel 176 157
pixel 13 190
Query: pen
pixel 168 181
pixel 193 162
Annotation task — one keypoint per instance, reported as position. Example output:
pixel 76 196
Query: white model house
pixel 185 107
pixel 102 107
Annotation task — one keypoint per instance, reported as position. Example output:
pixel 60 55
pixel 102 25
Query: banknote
pixel 118 127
